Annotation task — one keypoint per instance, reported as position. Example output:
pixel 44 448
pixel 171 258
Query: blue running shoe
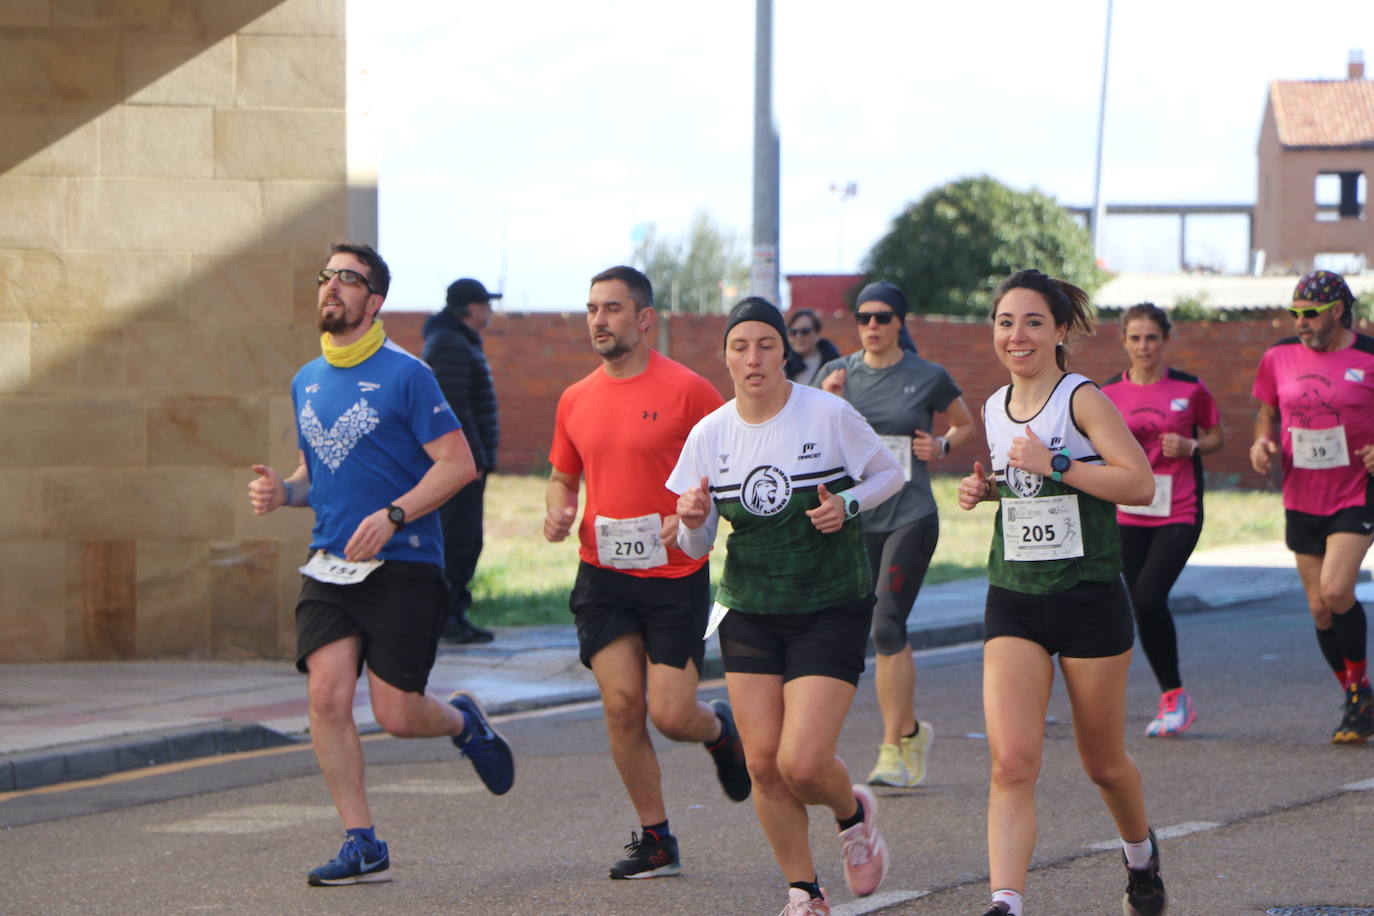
pixel 358 862
pixel 483 745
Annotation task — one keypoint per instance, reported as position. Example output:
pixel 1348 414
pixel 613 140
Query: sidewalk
pixel 63 721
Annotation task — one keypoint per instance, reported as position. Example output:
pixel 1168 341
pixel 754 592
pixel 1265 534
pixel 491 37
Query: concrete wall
pixel 535 356
pixel 171 172
pixel 1286 224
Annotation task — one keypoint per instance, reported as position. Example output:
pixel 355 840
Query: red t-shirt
pixel 1177 403
pixel 624 436
pixel 1321 391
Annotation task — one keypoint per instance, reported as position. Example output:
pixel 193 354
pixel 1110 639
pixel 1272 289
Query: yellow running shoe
pixel 890 770
pixel 913 754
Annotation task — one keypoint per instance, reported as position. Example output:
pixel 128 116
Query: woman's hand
pixel 1030 454
pixel 694 505
pixel 828 517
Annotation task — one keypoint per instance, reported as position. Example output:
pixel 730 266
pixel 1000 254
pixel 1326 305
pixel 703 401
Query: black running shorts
pixel 398 610
pixel 829 642
pixel 670 614
pixel 1087 620
pixel 1307 534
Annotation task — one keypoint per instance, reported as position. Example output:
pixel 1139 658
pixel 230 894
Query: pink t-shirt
pixel 1321 391
pixel 1177 403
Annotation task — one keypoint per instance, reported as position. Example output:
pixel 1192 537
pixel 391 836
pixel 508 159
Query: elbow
pixel 1144 492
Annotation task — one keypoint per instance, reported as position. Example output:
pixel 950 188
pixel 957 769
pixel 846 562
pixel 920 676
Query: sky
pixel 523 143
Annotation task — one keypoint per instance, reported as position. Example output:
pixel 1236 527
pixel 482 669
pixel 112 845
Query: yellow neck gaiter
pixel 356 352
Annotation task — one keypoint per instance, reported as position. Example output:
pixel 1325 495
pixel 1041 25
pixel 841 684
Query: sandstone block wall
pixel 171 172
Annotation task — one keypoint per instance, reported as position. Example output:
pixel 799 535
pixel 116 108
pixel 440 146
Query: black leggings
pixel 899 560
pixel 1151 560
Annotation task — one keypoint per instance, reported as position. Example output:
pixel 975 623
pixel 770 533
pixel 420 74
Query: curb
pixel 101 758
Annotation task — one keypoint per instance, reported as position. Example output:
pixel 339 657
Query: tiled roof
pixel 1324 113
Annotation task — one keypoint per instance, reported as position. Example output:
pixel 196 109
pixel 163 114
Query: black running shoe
pixel 1144 888
pixel 998 909
pixel 649 856
pixel 1357 719
pixel 728 753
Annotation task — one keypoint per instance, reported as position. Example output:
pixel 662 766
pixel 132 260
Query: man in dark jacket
pixel 453 349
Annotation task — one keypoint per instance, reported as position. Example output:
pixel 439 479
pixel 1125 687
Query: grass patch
pixel 523 579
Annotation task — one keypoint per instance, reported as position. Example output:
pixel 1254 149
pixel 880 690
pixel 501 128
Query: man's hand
pixel 267 492
pixel 828 517
pixel 975 488
pixel 834 382
pixel 1261 451
pixel 370 537
pixel 558 522
pixel 667 534
pixel 694 505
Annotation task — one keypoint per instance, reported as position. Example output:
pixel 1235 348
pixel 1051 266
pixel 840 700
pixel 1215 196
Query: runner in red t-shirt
pixel 1316 395
pixel 639 603
pixel 1173 417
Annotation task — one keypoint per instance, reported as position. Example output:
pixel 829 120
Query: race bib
pixel 1042 528
pixel 1319 449
pixel 1163 503
pixel 323 566
pixel 900 447
pixel 718 612
pixel 630 543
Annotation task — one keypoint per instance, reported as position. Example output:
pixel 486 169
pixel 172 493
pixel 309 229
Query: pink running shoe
pixel 865 853
pixel 1176 714
pixel 800 903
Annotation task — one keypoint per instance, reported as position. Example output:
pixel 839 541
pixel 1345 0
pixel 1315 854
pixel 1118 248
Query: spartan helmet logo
pixel 1023 483
pixel 766 490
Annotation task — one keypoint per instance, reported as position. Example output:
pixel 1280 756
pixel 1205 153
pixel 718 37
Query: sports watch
pixel 397 516
pixel 1059 464
pixel 851 505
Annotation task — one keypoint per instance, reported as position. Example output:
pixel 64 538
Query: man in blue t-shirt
pixel 380 450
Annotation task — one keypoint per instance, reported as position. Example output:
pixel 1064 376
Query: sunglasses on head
pixel 346 277
pixel 1312 312
pixel 880 317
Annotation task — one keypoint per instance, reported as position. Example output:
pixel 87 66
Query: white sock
pixel 1011 899
pixel 1137 854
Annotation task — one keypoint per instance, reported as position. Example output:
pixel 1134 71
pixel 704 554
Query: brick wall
pixel 534 356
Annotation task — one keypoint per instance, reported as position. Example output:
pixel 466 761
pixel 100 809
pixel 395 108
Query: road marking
pixel 250 819
pixel 430 787
pixel 1362 786
pixel 1165 833
pixel 876 902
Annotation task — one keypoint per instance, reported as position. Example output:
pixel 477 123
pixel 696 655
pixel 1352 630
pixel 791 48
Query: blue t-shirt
pixel 363 430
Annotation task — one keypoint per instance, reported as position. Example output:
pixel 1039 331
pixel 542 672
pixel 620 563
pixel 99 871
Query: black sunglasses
pixel 346 277
pixel 880 317
pixel 801 331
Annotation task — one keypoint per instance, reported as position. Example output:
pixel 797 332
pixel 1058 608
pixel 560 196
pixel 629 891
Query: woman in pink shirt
pixel 1173 416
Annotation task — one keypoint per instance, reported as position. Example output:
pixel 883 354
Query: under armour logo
pixel 651 416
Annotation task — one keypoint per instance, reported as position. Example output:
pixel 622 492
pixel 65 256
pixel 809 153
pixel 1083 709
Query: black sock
pixel 856 818
pixel 1327 642
pixel 658 830
pixel 811 887
pixel 1350 633
pixel 915 731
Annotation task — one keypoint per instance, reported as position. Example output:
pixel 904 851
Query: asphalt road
pixel 1256 812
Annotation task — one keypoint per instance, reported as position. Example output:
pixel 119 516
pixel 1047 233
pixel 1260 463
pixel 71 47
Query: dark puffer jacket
pixel 454 351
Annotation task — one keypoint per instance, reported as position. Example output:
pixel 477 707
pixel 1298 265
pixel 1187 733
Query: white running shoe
pixel 1176 714
pixel 865 853
pixel 800 903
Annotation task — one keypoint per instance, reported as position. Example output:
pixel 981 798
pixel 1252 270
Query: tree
pixel 949 250
pixel 704 272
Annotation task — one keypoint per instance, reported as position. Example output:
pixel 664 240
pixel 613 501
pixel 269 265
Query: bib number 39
pixel 1319 449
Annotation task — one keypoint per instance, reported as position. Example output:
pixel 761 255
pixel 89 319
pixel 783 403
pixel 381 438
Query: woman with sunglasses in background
pixel 898 393
pixel 810 350
pixel 1316 393
pixel 1173 417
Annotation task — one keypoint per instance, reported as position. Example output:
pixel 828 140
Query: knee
pixel 1336 600
pixel 625 711
pixel 1110 773
pixel 674 721
pixel 398 716
pixel 1015 769
pixel 805 778
pixel 889 636
pixel 331 700
pixel 763 771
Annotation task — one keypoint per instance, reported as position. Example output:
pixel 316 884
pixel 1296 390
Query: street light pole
pixel 763 272
pixel 1100 208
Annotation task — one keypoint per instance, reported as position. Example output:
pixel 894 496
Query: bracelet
pixel 944 445
pixel 290 492
pixel 1196 446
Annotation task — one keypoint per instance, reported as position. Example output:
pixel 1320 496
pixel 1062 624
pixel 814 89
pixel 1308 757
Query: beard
pixel 339 323
pixel 612 348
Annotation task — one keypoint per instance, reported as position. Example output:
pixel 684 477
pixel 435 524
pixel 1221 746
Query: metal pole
pixel 1099 208
pixel 763 272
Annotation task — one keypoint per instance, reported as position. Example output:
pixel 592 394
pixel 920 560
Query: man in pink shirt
pixel 1316 393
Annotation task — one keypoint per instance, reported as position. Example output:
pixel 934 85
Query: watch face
pixel 397 515
pixel 1060 462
